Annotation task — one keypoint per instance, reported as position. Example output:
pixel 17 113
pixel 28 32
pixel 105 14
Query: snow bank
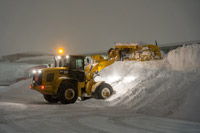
pixel 20 91
pixel 124 76
pixel 46 59
pixel 152 88
pixel 155 88
pixel 9 72
pixel 186 58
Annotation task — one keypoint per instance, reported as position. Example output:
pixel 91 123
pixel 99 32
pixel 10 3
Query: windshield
pixel 65 62
pixel 77 63
pixel 73 62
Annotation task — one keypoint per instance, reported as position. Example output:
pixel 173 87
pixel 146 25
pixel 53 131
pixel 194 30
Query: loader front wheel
pixel 68 94
pixel 50 99
pixel 104 91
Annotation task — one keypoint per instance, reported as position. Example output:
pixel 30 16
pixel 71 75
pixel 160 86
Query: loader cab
pixel 73 62
pixel 75 65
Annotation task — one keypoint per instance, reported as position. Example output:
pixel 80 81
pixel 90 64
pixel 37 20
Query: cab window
pixel 64 62
pixel 79 64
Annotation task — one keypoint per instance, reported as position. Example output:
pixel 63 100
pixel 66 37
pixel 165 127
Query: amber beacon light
pixel 60 51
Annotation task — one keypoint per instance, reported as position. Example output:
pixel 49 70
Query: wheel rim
pixel 69 94
pixel 105 93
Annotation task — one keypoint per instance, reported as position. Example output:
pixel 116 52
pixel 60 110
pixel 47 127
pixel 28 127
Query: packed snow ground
pixel 154 96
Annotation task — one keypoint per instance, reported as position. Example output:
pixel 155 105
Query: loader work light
pixel 67 56
pixel 39 71
pixel 34 71
pixel 58 57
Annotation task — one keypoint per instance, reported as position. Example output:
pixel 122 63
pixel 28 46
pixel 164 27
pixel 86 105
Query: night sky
pixel 87 26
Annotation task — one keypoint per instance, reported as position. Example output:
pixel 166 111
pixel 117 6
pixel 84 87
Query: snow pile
pixel 124 76
pixel 45 59
pixel 20 91
pixel 186 58
pixel 155 88
pixel 9 72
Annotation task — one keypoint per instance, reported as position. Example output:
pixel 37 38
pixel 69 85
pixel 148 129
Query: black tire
pixel 67 94
pixel 50 98
pixel 103 91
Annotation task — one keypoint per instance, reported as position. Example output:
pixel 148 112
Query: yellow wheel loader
pixel 69 80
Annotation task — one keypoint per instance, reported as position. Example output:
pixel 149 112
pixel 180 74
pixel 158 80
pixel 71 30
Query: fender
pixel 97 84
pixel 60 80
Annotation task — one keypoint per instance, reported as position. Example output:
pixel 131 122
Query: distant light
pixel 34 71
pixel 67 56
pixel 58 57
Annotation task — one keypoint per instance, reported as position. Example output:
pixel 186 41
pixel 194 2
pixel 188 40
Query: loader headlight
pixel 67 56
pixel 58 57
pixel 39 71
pixel 34 71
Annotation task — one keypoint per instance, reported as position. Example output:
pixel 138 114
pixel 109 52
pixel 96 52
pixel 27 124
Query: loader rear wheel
pixel 50 98
pixel 104 91
pixel 68 94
